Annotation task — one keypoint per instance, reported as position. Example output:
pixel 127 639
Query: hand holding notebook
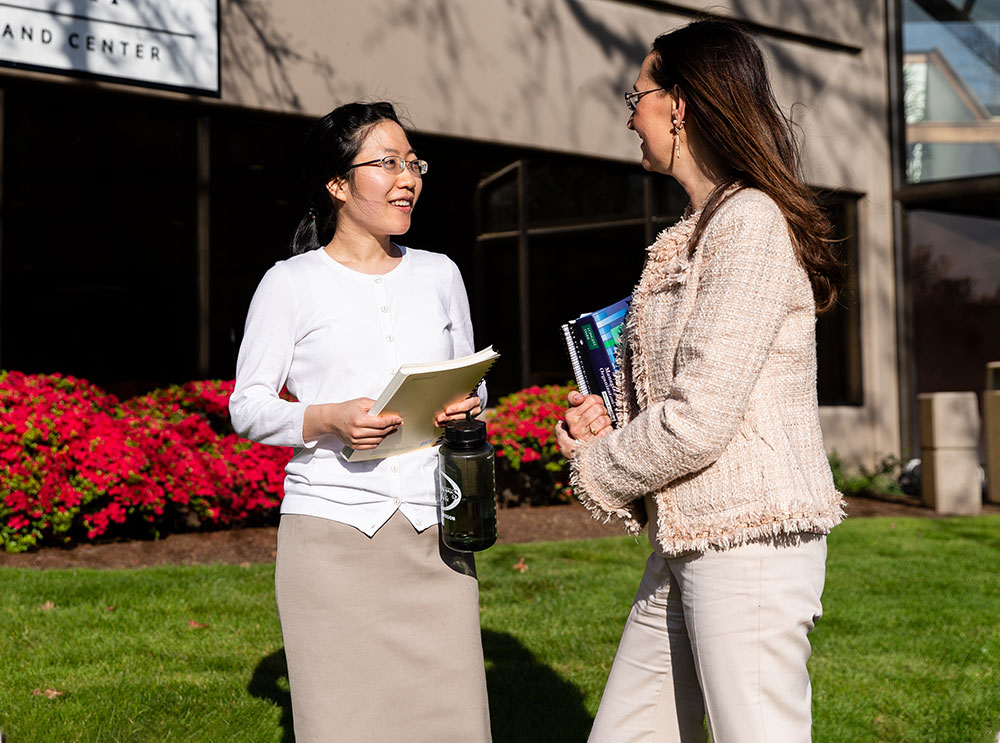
pixel 417 393
pixel 591 342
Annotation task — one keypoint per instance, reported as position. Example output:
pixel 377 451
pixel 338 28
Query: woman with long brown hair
pixel 721 450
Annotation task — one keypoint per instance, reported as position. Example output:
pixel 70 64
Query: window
pixel 955 293
pixel 577 247
pixel 947 183
pixel 951 88
pixel 838 332
pixel 586 225
pixel 99 272
pixel 256 203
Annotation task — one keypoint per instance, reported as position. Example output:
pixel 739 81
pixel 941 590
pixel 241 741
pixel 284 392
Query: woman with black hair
pixel 721 451
pixel 380 620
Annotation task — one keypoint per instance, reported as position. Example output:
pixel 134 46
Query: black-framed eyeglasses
pixel 632 99
pixel 395 164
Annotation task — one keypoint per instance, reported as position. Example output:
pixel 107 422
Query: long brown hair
pixel 721 72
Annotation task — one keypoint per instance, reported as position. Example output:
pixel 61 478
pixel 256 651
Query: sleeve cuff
pixel 299 421
pixel 632 515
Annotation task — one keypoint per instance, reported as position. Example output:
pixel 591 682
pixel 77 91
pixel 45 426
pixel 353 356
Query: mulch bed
pixel 240 546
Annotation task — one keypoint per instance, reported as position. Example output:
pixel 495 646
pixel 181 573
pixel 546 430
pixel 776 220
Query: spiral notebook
pixel 417 393
pixel 591 340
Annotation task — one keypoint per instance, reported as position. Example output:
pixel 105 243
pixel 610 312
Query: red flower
pixel 521 429
pixel 77 463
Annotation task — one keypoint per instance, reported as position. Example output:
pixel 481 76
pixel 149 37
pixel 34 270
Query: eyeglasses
pixel 394 164
pixel 632 99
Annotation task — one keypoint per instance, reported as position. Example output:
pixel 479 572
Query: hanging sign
pixel 161 43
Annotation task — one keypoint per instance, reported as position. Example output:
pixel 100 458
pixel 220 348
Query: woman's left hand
pixel 457 411
pixel 586 419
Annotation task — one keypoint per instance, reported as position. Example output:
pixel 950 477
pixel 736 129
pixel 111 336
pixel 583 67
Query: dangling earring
pixel 676 131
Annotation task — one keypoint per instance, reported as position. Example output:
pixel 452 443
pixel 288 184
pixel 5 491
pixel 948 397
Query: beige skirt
pixel 381 634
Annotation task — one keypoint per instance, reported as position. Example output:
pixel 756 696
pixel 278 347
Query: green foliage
pixel 908 646
pixel 521 429
pixel 120 650
pixel 77 464
pixel 907 649
pixel 883 479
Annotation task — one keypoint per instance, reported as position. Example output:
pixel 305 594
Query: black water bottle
pixel 467 487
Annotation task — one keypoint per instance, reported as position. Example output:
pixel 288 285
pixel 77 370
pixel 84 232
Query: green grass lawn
pixel 908 649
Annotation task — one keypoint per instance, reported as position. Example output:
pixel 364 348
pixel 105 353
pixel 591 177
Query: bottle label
pixel 451 493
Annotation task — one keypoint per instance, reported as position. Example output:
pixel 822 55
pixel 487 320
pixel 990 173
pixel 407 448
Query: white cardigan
pixel 332 334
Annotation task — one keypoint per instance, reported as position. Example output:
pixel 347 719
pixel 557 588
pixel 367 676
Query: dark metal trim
pixel 523 279
pixel 560 229
pixel 498 174
pixel 906 369
pixel 913 194
pixel 905 372
pixel 203 138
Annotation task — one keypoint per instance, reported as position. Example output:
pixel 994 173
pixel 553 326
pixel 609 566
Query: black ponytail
pixel 330 146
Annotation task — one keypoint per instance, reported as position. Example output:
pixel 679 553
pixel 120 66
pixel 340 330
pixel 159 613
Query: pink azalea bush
pixel 225 480
pixel 530 468
pixel 77 464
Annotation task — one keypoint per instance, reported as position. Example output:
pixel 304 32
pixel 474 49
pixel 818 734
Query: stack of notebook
pixel 590 341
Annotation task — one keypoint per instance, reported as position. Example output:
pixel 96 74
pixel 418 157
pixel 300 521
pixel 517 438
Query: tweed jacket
pixel 717 384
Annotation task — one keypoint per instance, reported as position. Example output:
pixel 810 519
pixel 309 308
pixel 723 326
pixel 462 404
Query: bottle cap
pixel 467 434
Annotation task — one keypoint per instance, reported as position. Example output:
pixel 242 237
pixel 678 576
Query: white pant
pixel 721 635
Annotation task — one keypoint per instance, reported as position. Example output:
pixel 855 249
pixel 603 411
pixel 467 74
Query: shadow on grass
pixel 270 683
pixel 528 700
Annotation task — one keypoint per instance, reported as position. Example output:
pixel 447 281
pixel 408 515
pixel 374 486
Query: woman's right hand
pixel 587 418
pixel 350 422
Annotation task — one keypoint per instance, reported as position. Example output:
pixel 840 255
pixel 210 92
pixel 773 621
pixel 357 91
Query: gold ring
pixel 592 431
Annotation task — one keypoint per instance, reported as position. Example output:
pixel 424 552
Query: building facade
pixel 142 201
